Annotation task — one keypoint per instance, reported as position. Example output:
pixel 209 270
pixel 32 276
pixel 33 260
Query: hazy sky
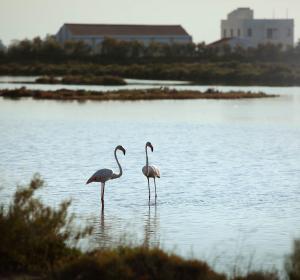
pixel 21 19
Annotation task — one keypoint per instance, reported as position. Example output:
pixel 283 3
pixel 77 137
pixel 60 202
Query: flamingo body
pixel 152 171
pixel 101 176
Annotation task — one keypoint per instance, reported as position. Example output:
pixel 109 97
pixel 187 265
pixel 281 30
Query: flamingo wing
pixel 152 172
pixel 101 175
pixel 156 171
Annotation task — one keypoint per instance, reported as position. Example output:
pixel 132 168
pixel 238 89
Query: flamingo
pixel 150 171
pixel 104 175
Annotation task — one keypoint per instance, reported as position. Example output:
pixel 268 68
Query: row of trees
pixel 112 51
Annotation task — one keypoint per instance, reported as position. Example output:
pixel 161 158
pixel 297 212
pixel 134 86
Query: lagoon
pixel 229 191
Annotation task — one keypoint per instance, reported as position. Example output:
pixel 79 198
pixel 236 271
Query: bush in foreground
pixel 33 236
pixel 35 240
pixel 292 264
pixel 137 263
pixel 39 242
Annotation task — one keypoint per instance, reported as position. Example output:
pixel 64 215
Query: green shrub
pixel 34 236
pixel 137 263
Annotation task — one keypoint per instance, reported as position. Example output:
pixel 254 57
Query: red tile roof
pixel 125 29
pixel 221 41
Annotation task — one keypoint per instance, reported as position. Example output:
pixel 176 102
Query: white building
pixel 241 24
pixel 94 34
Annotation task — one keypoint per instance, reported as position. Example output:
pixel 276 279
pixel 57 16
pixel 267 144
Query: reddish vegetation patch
pixel 148 94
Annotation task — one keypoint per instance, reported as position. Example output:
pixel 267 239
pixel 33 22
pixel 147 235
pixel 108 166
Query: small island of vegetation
pixel 129 95
pixel 82 80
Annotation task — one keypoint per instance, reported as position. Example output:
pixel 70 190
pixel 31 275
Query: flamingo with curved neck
pixel 104 175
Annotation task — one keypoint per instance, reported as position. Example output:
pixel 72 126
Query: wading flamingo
pixel 150 171
pixel 104 175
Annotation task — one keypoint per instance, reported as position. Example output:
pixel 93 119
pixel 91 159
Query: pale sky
pixel 21 19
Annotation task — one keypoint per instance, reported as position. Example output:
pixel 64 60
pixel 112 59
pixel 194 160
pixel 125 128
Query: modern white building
pixel 94 34
pixel 241 24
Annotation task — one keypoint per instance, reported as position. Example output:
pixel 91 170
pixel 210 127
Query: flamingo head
pixel 121 149
pixel 148 144
pixel 92 179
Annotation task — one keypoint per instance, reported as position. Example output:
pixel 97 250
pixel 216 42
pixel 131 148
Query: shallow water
pixel 229 191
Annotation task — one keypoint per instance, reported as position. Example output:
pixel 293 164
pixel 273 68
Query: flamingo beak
pixel 124 151
pixel 151 148
pixel 89 181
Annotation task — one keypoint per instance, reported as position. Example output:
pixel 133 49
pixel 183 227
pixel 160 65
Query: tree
pixel 78 50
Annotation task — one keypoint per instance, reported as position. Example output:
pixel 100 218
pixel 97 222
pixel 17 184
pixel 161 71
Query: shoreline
pixel 162 93
pixel 221 73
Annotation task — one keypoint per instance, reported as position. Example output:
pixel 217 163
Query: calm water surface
pixel 230 186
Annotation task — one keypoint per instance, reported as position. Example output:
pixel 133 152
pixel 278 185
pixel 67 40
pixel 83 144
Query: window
pixel 289 33
pixel 239 33
pixel 224 33
pixel 231 32
pixel 272 33
pixel 249 32
pixel 269 33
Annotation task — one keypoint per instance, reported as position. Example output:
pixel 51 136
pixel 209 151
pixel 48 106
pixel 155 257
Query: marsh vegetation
pixel 265 65
pixel 38 241
pixel 236 73
pixel 130 95
pixel 82 80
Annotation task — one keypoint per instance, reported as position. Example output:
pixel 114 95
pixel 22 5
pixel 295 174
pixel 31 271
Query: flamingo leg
pixel 102 193
pixel 148 187
pixel 155 188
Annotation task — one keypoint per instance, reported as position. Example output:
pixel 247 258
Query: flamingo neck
pixel 120 167
pixel 147 161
